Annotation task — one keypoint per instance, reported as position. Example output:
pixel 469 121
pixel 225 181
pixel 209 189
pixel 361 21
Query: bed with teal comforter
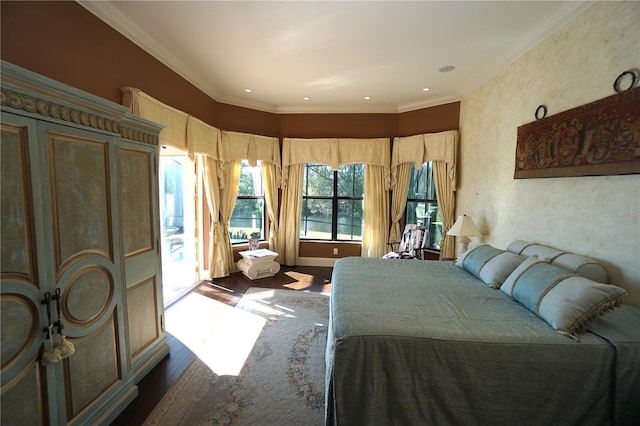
pixel 426 343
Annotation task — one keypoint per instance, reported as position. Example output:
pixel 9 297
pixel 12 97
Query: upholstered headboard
pixel 581 265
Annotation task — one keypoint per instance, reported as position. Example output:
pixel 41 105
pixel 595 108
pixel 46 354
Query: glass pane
pixel 428 215
pixel 350 220
pixel 316 219
pixel 250 180
pixel 177 210
pixel 247 220
pixel 422 184
pixel 351 180
pixel 318 180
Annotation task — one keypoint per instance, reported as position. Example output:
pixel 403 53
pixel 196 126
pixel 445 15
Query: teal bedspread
pixel 426 343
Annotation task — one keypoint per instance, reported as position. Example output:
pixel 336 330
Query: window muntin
pixel 247 220
pixel 422 204
pixel 332 202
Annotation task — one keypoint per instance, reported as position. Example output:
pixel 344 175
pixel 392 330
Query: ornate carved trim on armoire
pixel 81 277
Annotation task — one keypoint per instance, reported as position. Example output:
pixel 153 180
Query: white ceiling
pixel 336 52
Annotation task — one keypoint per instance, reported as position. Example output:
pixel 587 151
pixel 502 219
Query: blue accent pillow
pixel 566 301
pixel 491 265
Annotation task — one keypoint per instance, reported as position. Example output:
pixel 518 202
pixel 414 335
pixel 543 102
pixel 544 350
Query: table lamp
pixel 463 229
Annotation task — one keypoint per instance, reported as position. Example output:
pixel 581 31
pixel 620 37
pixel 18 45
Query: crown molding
pixel 123 25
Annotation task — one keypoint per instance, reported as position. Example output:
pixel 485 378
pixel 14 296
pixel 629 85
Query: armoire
pixel 80 259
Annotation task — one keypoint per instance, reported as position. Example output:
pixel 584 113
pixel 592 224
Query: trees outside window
pixel 332 202
pixel 422 203
pixel 247 220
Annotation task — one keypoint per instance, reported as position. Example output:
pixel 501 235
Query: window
pixel 332 202
pixel 247 220
pixel 422 204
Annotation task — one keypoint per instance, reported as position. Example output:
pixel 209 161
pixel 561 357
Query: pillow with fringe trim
pixel 568 302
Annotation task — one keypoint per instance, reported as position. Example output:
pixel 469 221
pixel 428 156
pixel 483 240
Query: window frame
pixel 430 192
pixel 335 199
pixel 263 233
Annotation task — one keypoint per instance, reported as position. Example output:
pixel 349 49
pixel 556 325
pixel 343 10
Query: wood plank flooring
pixel 228 290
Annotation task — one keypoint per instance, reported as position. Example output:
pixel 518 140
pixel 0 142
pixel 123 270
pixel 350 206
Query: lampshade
pixel 464 227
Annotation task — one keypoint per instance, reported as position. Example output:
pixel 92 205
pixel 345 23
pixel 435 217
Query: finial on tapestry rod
pixel 632 74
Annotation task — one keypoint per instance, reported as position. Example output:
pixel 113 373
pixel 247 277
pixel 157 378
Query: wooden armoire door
pixel 138 186
pixel 59 233
pixel 82 221
pixel 22 318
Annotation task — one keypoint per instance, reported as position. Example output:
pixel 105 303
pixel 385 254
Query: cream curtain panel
pixel 228 195
pixel 399 199
pixel 373 153
pixel 217 260
pixel 376 212
pixel 445 192
pixel 271 181
pixel 291 208
pixel 441 149
pixel 220 153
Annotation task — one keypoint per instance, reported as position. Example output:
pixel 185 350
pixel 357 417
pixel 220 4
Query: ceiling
pixel 336 53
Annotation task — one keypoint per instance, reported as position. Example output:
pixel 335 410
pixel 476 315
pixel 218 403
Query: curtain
pixel 289 232
pixel 212 190
pixel 221 198
pixel 270 176
pixel 245 146
pixel 228 195
pixel 335 151
pixel 399 199
pixel 376 212
pixel 220 153
pixel 173 120
pixel 447 204
pixel 441 149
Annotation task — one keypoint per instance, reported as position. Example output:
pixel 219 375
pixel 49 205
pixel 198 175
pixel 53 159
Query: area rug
pixel 280 383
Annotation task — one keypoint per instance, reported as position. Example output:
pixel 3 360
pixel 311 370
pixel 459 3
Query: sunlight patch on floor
pixel 220 335
pixel 302 280
pixel 259 303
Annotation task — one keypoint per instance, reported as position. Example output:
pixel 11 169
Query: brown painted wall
pixel 67 43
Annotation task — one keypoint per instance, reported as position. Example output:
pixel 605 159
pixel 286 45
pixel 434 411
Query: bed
pixel 427 342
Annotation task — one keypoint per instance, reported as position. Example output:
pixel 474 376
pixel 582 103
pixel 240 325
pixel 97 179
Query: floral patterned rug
pixel 282 380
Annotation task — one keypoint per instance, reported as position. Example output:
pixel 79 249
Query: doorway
pixel 177 226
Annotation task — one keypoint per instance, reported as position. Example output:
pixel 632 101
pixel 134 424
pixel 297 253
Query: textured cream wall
pixel 595 216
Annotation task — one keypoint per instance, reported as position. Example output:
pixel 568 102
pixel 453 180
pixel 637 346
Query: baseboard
pixel 316 261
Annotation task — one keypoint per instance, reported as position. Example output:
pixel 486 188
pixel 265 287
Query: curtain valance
pixel 336 151
pixel 245 146
pixel 203 139
pixel 174 121
pixel 189 134
pixel 419 149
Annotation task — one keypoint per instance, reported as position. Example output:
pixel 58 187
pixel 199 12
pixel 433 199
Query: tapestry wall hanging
pixel 600 138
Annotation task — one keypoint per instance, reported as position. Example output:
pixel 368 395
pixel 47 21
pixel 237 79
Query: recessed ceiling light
pixel 366 98
pixel 447 68
pixel 306 98
pixel 247 90
pixel 425 89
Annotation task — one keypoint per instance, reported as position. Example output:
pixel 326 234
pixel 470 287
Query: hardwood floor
pixel 228 290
